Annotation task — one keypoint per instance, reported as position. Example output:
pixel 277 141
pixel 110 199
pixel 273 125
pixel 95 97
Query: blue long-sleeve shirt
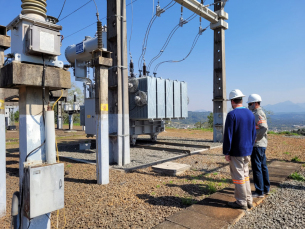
pixel 240 133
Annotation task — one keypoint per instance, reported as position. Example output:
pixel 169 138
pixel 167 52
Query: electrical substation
pixel 118 106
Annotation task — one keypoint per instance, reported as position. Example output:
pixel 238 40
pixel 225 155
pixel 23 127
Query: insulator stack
pixel 99 35
pixel 144 70
pixel 34 7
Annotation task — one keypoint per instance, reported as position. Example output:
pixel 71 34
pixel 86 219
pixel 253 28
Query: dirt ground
pixel 141 199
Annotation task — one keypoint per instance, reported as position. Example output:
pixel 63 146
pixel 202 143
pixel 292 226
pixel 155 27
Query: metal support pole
pixel 31 136
pixel 70 121
pixel 59 115
pixel 102 129
pixel 118 83
pixel 219 82
pixel 2 146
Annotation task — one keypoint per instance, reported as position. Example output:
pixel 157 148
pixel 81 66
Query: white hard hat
pixel 236 93
pixel 254 98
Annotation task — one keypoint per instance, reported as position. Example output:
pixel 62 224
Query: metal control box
pixel 43 189
pixel 41 40
pixel 90 118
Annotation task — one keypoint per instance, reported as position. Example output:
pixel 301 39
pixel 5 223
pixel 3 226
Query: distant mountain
pixel 202 110
pixel 285 107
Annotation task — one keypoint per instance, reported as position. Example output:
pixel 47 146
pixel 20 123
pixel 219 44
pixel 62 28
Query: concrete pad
pixel 216 207
pixel 228 191
pixel 168 224
pixel 283 165
pixel 194 220
pixel 171 168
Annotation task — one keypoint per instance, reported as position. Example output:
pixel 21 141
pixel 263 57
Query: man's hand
pixel 228 157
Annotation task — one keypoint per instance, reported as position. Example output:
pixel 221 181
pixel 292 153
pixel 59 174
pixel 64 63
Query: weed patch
pixel 188 201
pixel 297 176
pixel 296 159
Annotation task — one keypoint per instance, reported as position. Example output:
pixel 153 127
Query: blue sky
pixel 265 48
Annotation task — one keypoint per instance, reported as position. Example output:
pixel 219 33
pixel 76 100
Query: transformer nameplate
pixel 47 41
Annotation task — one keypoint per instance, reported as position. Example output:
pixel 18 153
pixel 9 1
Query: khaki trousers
pixel 240 175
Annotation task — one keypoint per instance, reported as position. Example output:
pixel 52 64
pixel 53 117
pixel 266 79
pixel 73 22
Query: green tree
pixel 210 120
pixel 16 116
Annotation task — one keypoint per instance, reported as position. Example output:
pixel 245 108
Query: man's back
pixel 240 133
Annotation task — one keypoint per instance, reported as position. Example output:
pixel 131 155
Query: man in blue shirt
pixel 239 138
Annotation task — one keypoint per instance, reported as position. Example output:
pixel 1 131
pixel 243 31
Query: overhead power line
pixel 140 61
pixel 75 10
pixel 62 9
pixel 89 24
pixel 189 53
pixel 168 40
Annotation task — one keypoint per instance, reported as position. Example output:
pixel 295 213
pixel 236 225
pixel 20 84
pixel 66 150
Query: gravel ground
pixel 146 152
pixel 142 198
pixel 285 208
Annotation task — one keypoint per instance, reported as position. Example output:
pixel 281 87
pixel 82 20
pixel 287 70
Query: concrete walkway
pixel 213 212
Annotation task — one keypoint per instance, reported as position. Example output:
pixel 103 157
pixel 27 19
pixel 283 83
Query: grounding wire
pixel 62 9
pixel 168 40
pixel 140 61
pixel 177 61
pixel 75 10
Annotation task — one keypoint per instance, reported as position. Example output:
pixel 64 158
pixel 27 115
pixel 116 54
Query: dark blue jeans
pixel 260 170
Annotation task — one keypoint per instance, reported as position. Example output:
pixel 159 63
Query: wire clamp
pixel 159 10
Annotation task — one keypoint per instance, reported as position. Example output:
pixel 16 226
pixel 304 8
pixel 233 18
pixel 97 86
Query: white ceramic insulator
pixel 50 137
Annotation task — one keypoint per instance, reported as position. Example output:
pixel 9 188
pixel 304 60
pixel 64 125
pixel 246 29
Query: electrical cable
pixel 140 61
pixel 177 61
pixel 87 25
pixel 75 11
pixel 131 27
pixel 168 40
pixel 62 9
pixel 80 30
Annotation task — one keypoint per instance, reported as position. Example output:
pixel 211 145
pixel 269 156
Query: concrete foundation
pixel 31 136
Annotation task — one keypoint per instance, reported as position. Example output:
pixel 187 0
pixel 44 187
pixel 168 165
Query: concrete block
pixel 167 225
pixel 216 207
pixel 5 42
pixel 171 168
pixel 84 146
pixel 18 74
pixel 191 219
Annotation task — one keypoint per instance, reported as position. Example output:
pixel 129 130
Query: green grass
pixel 171 182
pixel 188 201
pixel 69 165
pixel 287 153
pixel 297 176
pixel 215 174
pixel 283 132
pixel 211 188
pixel 158 186
pixel 296 159
pixel 153 193
pixel 204 129
pixel 12 143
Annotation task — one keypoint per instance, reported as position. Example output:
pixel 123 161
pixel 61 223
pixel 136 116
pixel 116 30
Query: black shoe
pixel 249 205
pixel 236 205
